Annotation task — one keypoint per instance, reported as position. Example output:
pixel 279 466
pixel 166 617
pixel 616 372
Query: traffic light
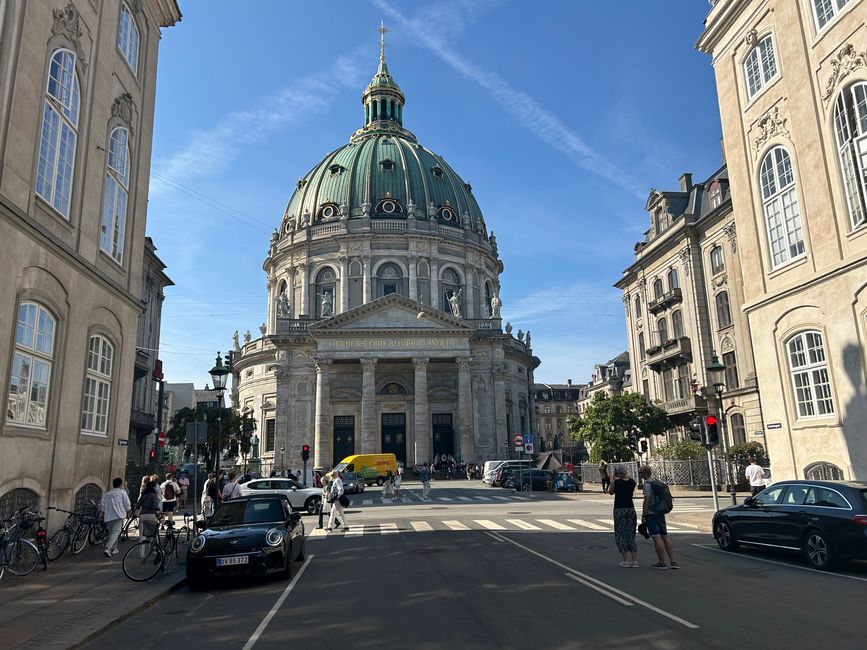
pixel 644 446
pixel 152 455
pixel 305 453
pixel 230 360
pixel 695 429
pixel 710 422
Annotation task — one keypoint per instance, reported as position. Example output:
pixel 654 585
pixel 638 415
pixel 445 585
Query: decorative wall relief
pixel 770 125
pixel 730 231
pixel 848 60
pixel 124 108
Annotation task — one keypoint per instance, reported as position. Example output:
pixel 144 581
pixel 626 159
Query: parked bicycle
pixel 27 520
pixel 131 525
pixel 17 555
pixel 152 555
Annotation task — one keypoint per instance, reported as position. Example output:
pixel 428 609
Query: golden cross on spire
pixel 382 32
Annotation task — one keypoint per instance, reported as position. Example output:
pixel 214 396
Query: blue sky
pixel 563 114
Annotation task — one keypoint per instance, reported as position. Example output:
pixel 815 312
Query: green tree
pixel 681 450
pixel 223 424
pixel 740 454
pixel 613 426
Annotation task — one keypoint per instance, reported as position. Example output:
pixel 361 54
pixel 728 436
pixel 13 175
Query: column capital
pixel 368 364
pixel 322 364
pixel 366 259
pixel 463 363
pixel 420 363
pixel 301 266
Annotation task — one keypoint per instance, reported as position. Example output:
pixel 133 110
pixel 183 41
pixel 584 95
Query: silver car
pixel 351 483
pixel 302 498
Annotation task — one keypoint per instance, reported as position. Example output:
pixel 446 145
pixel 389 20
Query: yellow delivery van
pixel 371 468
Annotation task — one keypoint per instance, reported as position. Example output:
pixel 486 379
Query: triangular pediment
pixel 390 313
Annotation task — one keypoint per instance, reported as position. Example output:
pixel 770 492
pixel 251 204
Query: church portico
pixel 383 330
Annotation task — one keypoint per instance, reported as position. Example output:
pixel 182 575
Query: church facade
pixel 383 330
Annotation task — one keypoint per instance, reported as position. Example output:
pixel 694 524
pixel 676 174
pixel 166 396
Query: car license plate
pixel 232 561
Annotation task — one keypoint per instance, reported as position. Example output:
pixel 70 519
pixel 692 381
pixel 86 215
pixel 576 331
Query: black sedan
pixel 825 520
pixel 528 479
pixel 251 535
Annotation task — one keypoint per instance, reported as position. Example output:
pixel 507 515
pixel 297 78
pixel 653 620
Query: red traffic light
pixel 152 454
pixel 710 420
pixel 305 448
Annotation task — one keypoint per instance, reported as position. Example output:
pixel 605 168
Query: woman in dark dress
pixel 625 520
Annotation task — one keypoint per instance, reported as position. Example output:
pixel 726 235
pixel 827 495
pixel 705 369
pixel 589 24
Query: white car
pixel 302 498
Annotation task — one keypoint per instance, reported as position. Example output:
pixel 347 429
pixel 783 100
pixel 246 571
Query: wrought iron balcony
pixel 672 352
pixel 667 299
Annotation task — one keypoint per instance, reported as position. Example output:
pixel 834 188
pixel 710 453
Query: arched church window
pixel 448 215
pixel 389 207
pixel 326 284
pixel 389 279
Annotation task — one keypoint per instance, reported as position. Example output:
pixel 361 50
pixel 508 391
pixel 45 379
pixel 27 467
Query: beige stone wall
pixel 55 259
pixel 823 288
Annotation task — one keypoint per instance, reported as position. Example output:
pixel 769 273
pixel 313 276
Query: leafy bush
pixel 741 453
pixel 681 450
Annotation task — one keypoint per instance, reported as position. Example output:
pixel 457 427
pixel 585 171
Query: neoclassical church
pixel 383 329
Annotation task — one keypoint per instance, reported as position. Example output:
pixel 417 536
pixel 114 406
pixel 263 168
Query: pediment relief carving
pixel 847 60
pixel 124 108
pixel 67 23
pixel 726 344
pixel 770 125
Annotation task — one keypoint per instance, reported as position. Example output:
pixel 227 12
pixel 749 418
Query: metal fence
pixel 694 473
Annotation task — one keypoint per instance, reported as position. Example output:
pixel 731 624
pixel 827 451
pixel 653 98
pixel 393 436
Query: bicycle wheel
pixel 170 543
pixel 79 539
pixel 143 560
pixel 130 529
pixel 21 557
pixel 98 533
pixel 58 543
pixel 183 536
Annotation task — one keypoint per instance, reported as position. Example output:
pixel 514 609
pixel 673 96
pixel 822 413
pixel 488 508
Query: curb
pixel 170 588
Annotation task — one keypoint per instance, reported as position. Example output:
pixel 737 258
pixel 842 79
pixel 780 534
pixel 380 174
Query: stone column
pixel 322 428
pixel 421 424
pixel 434 283
pixel 465 410
pixel 290 290
pixel 368 406
pixel 365 260
pixel 344 283
pixel 469 296
pixel 305 289
pixel 500 433
pixel 282 415
pixel 412 263
pixel 272 316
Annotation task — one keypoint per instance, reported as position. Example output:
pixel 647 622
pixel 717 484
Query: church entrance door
pixel 443 435
pixel 344 437
pixel 394 435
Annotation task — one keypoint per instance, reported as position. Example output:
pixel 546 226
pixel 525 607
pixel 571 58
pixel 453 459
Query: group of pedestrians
pixel 219 487
pixel 655 504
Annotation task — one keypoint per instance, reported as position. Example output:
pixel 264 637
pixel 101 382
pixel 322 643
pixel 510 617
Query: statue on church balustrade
pixel 262 329
pixel 247 337
pixel 508 328
pixel 283 308
pixel 495 306
pixel 326 309
pixel 410 209
pixel 455 303
pixel 236 345
pixel 521 335
pixel 527 339
pixel 344 211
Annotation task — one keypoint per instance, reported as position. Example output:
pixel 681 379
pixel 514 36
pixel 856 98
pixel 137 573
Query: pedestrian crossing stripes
pixel 412 497
pixel 536 525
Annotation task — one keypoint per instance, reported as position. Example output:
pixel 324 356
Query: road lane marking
pixel 463 498
pixel 317 532
pixel 356 530
pixel 441 498
pixel 523 525
pixel 367 502
pixel 388 529
pixel 482 498
pixel 587 524
pixel 421 526
pixel 455 525
pixel 258 632
pixel 785 564
pixel 637 601
pixel 502 498
pixel 599 589
pixel 490 525
pixel 555 524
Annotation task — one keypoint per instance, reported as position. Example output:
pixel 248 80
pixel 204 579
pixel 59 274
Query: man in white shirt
pixel 756 476
pixel 113 509
pixel 169 492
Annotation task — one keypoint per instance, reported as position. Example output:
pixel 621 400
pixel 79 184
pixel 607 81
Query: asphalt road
pixel 472 571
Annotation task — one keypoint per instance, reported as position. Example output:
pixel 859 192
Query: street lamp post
pixel 716 374
pixel 219 374
pixel 282 453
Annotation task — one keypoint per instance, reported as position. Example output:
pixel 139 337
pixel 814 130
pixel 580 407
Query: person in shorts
pixel 655 523
pixel 184 482
pixel 170 491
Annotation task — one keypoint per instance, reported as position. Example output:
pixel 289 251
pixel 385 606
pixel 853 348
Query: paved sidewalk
pixel 74 599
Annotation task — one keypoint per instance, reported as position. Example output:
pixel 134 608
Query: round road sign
pixel 518 440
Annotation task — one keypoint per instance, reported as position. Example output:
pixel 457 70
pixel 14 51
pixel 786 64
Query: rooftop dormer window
pixel 437 172
pixel 387 165
pixel 389 206
pixel 715 193
pixel 336 169
pixel 301 183
pixel 446 213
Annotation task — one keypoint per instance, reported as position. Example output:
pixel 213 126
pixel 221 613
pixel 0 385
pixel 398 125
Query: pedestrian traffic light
pixel 695 429
pixel 152 455
pixel 644 446
pixel 305 453
pixel 710 422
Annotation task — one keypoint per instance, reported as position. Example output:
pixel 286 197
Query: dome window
pixel 389 206
pixel 437 172
pixel 336 169
pixel 387 165
pixel 328 211
pixel 447 213
pixel 301 183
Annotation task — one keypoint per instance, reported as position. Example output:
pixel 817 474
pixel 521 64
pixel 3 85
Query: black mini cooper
pixel 252 535
pixel 825 520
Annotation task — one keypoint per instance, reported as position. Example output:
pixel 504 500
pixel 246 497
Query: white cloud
pixel 213 150
pixel 569 303
pixel 534 117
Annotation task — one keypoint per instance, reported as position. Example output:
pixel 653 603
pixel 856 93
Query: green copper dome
pixel 383 172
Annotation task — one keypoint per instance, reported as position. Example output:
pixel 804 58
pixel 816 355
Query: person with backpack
pixel 657 503
pixel 170 491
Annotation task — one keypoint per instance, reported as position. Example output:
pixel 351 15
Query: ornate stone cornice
pixel 67 23
pixel 322 364
pixel 848 60
pixel 730 231
pixel 769 126
pixel 685 256
pixel 124 109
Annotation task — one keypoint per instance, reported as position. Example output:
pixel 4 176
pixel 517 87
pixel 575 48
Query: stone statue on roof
pixel 495 306
pixel 236 345
pixel 283 308
pixel 527 339
pixel 326 309
pixel 455 303
pixel 247 337
pixel 521 335
pixel 410 209
pixel 344 211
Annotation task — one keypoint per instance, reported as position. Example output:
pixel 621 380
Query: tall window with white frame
pixel 128 38
pixel 808 366
pixel 116 195
pixel 673 280
pixel 59 134
pixel 97 386
pixel 723 311
pixel 32 362
pixel 717 260
pixel 760 65
pixel 850 127
pixel 826 10
pixel 782 213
